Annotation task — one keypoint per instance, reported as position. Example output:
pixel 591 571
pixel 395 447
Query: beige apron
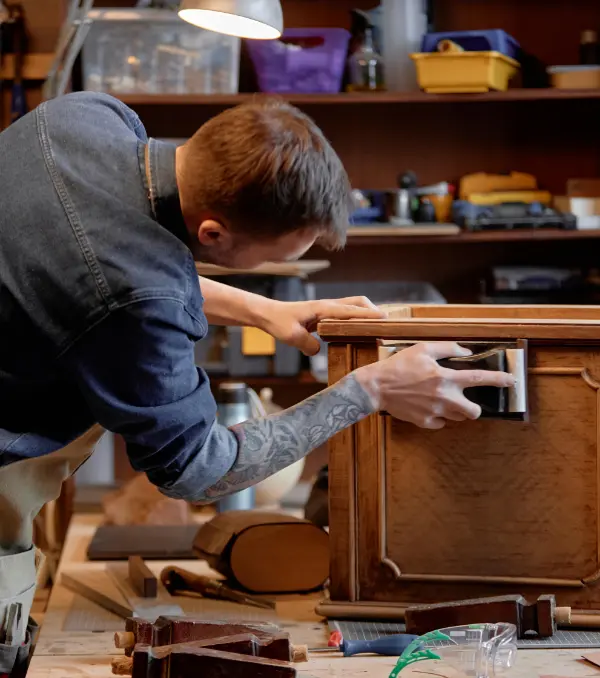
pixel 25 487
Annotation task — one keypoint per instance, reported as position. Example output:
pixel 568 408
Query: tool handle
pixel 388 646
pixel 176 579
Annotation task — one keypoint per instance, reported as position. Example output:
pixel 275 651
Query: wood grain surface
pixel 478 508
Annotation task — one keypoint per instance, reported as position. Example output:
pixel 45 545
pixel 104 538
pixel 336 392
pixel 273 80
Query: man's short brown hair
pixel 268 169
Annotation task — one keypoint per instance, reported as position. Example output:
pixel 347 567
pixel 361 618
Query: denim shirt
pixel 100 304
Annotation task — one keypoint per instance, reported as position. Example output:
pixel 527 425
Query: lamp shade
pixel 257 19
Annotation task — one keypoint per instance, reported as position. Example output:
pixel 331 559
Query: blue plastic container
pixel 493 40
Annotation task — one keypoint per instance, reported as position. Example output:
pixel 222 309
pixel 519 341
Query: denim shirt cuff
pixel 212 461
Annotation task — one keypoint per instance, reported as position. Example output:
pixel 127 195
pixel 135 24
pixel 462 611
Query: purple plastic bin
pixel 304 60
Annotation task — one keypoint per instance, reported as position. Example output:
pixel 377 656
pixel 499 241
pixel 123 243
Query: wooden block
pixel 142 579
pixel 513 609
pixel 169 630
pixel 265 552
pixel 244 643
pixel 149 608
pixel 187 661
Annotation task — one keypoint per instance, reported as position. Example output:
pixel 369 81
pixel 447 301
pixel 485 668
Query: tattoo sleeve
pixel 270 444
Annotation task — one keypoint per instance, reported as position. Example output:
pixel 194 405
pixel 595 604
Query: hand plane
pixel 495 403
pixel 508 403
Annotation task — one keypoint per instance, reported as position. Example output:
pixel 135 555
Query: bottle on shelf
pixel 366 68
pixel 589 49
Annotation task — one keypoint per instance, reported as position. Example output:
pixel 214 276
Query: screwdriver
pixel 387 646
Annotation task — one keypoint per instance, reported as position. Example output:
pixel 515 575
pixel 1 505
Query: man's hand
pixel 292 322
pixel 412 386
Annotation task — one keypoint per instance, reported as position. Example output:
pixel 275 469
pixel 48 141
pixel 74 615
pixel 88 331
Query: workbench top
pixel 86 654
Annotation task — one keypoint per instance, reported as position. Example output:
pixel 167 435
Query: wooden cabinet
pixel 478 508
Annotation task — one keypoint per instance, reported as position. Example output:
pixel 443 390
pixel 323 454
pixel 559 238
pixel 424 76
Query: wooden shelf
pixel 35 66
pixel 404 238
pixel 301 269
pixel 360 98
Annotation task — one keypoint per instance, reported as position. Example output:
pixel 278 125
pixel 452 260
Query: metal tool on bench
pixel 511 357
pixel 177 580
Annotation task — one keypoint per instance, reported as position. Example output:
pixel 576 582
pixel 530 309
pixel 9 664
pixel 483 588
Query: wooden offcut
pixel 188 660
pixel 142 578
pixel 160 604
pixel 537 619
pixel 265 552
pixel 176 633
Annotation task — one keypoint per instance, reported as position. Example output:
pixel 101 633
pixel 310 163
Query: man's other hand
pixel 293 322
pixel 412 386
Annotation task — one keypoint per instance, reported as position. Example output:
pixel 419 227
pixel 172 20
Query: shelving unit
pixel 552 134
pixel 361 236
pixel 381 98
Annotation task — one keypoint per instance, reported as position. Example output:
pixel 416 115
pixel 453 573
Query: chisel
pixel 388 646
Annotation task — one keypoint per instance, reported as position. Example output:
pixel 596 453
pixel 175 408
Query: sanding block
pixel 264 552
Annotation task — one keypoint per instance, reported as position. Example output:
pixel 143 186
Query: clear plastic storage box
pixel 153 51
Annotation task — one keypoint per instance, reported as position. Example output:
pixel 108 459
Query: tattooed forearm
pixel 272 443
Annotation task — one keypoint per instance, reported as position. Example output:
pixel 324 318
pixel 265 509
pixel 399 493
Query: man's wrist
pixel 368 379
pixel 260 311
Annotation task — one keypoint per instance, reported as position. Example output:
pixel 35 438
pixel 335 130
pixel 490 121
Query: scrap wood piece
pixel 99 591
pixel 592 658
pixel 540 617
pixel 162 604
pixel 265 552
pixel 184 661
pixel 278 647
pixel 170 630
pixel 142 578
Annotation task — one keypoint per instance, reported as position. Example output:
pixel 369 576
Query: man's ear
pixel 211 233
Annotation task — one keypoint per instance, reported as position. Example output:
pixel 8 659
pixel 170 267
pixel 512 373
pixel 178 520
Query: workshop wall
pixel 43 21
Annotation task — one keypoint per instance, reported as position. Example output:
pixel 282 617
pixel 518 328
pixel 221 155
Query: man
pixel 100 305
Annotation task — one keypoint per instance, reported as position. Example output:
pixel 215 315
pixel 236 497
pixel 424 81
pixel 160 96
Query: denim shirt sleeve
pixel 137 372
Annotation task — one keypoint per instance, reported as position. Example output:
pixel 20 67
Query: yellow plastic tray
pixel 464 72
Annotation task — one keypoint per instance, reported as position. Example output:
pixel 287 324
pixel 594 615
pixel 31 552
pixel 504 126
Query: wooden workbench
pixel 68 654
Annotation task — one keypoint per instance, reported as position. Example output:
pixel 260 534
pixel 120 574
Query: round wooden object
pixel 124 640
pixel 122 666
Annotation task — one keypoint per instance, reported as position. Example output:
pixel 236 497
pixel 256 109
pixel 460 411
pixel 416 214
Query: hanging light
pixel 257 19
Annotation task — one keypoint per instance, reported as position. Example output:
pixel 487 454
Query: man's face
pixel 223 247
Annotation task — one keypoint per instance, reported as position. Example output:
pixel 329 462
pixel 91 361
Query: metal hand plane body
pixel 495 403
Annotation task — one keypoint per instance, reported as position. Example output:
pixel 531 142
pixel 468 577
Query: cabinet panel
pixel 486 505
pixel 498 499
